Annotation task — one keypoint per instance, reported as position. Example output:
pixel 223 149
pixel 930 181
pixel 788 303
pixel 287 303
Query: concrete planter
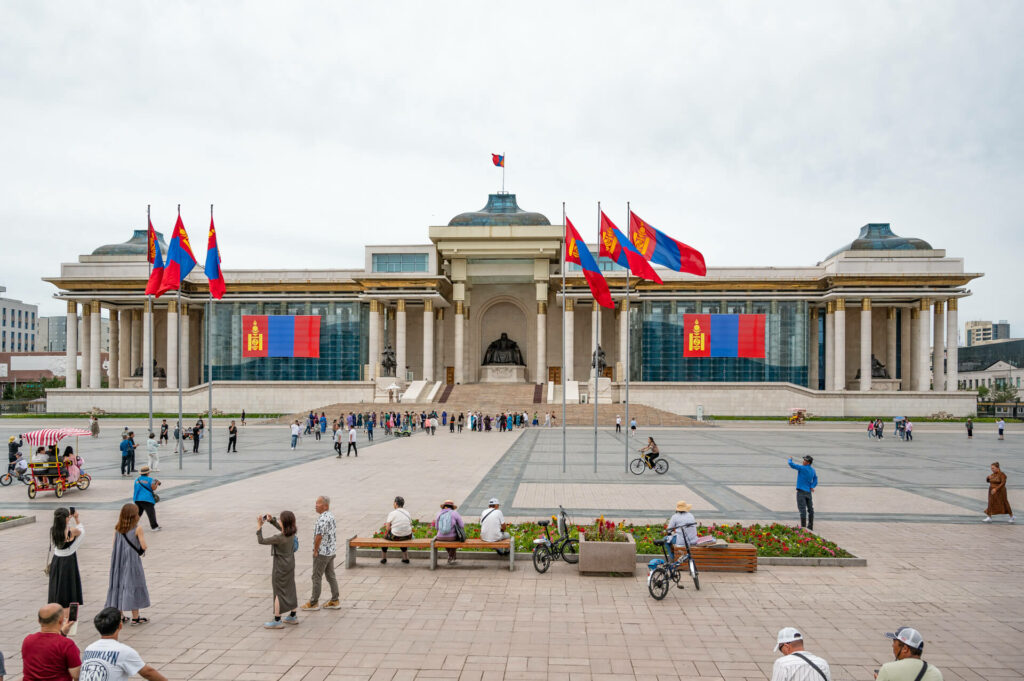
pixel 17 522
pixel 607 557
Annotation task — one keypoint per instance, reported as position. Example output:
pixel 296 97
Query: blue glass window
pixel 400 262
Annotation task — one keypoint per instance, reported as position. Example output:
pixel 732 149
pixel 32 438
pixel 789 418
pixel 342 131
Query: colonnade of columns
pixel 927 325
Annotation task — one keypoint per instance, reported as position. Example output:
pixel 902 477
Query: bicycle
pixel 639 465
pixel 565 547
pixel 9 477
pixel 661 572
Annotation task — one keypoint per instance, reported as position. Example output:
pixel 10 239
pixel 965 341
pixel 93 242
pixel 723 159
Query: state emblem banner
pixel 280 336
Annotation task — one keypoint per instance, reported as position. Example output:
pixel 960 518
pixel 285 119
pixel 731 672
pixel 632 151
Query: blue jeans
pixel 295 441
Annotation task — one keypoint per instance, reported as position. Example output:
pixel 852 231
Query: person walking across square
pixel 351 442
pixel 998 503
pixel 233 438
pixel 296 431
pixel 1001 426
pixel 806 481
pixel 153 452
pixel 325 549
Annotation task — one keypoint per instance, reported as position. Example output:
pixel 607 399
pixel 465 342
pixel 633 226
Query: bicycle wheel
pixel 31 490
pixel 571 551
pixel 541 558
pixel 661 466
pixel 84 481
pixel 693 573
pixel 59 489
pixel 6 479
pixel 658 582
pixel 637 466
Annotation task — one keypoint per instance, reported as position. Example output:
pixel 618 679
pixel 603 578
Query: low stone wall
pixel 228 396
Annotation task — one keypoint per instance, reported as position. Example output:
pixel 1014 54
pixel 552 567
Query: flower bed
pixel 5 518
pixel 771 540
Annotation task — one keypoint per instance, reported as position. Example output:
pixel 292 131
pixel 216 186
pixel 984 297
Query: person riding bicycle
pixel 682 522
pixel 19 467
pixel 650 452
pixel 12 451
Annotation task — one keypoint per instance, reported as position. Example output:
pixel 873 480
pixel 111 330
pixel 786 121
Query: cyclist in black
pixel 650 452
pixel 12 451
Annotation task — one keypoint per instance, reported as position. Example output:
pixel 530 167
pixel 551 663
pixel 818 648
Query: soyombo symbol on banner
pixel 723 335
pixel 280 336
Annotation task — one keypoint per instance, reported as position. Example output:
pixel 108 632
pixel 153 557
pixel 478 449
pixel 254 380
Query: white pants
pixel 154 461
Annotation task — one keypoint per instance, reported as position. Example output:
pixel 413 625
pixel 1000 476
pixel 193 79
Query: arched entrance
pixel 503 314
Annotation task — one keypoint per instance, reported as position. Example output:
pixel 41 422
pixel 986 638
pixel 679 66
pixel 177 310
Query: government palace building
pixel 868 331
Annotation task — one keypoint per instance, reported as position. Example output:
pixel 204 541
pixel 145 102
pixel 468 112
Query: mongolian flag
pixel 212 269
pixel 180 260
pixel 659 247
pixel 576 251
pixel 280 336
pixel 616 246
pixel 723 335
pixel 498 160
pixel 152 248
pixel 157 275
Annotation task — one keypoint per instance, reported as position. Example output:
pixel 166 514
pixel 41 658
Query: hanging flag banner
pixel 723 335
pixel 280 336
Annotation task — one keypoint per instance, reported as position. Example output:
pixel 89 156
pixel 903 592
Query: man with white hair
pixel 796 664
pixel 325 549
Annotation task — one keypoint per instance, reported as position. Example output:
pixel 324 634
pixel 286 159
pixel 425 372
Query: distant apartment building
pixel 53 336
pixel 18 323
pixel 985 332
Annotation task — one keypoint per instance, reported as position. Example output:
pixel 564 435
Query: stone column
pixel 908 331
pixel 911 341
pixel 541 374
pixel 113 368
pixel 86 345
pixel 812 349
pixel 400 357
pixel 865 344
pixel 952 347
pixel 441 368
pixel 595 335
pixel 428 340
pixel 460 333
pixel 95 346
pixel 124 343
pixel 147 344
pixel 620 368
pixel 939 348
pixel 921 374
pixel 185 345
pixel 71 335
pixel 373 355
pixel 172 344
pixel 569 310
pixel 137 332
pixel 890 341
pixel 830 345
pixel 840 339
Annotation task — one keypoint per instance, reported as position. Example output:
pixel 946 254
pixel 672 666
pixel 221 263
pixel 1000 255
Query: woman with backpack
pixel 450 526
pixel 283 546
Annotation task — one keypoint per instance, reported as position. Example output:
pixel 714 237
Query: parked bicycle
pixel 660 572
pixel 546 549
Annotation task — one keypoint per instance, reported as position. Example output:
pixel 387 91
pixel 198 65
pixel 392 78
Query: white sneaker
pixel 987 520
pixel 1011 518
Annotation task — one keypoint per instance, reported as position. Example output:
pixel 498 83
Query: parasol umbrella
pixel 51 436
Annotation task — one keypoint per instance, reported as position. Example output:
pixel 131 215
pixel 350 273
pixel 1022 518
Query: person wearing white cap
pixel 492 525
pixel 907 646
pixel 796 664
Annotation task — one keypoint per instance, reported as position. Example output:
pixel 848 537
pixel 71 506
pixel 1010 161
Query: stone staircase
pixel 493 399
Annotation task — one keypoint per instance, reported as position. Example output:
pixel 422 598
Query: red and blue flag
pixel 656 246
pixel 180 260
pixel 616 246
pixel 212 269
pixel 576 251
pixel 498 160
pixel 280 336
pixel 157 275
pixel 723 335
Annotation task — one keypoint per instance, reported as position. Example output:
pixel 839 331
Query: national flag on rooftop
pixel 656 246
pixel 180 260
pixel 576 251
pixel 498 160
pixel 616 246
pixel 157 275
pixel 212 269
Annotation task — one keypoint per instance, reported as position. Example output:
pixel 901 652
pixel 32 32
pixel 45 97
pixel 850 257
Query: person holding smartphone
pixel 283 546
pixel 65 538
pixel 49 653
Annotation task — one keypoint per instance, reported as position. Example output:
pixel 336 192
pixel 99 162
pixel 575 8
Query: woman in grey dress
pixel 126 589
pixel 283 546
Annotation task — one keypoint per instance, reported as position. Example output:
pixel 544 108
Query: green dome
pixel 878 236
pixel 137 245
pixel 501 209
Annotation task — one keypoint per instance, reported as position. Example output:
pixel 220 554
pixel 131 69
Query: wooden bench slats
pixel 473 543
pixel 375 543
pixel 425 543
pixel 731 558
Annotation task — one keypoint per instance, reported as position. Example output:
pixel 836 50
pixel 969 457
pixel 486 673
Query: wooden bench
pixel 472 543
pixel 723 558
pixel 356 542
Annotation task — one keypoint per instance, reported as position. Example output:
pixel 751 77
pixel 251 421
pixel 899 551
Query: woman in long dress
pixel 998 503
pixel 65 581
pixel 126 588
pixel 282 579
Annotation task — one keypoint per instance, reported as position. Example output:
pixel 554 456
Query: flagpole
pixel 177 373
pixel 147 319
pixel 209 368
pixel 565 262
pixel 596 316
pixel 625 311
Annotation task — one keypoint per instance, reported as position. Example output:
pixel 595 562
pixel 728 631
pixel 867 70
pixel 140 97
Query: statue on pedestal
pixel 503 351
pixel 387 361
pixel 878 369
pixel 597 361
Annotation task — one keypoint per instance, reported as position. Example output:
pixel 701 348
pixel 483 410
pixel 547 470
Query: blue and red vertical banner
pixel 723 335
pixel 280 336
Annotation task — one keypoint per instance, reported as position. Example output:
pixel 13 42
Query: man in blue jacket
pixel 806 481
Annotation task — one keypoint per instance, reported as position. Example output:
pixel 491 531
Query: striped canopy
pixel 51 436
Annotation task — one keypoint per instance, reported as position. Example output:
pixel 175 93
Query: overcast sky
pixel 760 134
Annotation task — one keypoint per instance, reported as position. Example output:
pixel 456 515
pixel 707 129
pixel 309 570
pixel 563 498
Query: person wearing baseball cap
pixel 493 525
pixel 907 646
pixel 796 664
pixel 806 481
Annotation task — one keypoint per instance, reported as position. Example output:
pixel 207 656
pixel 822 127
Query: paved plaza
pixel 912 509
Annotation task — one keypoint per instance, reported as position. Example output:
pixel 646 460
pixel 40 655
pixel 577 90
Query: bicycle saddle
pixel 543 523
pixel 659 542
